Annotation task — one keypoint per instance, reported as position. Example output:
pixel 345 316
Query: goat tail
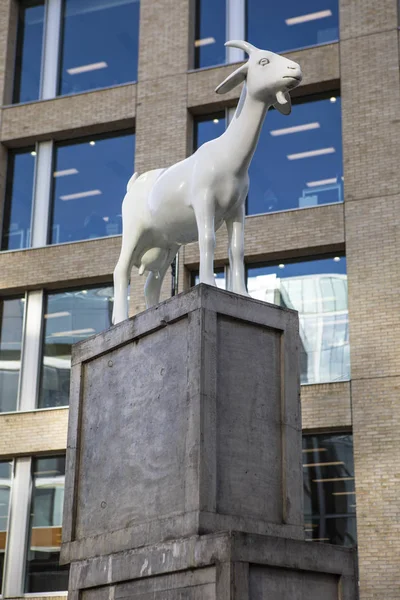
pixel 132 181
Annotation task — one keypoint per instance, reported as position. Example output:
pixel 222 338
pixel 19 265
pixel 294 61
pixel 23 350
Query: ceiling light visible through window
pixel 106 219
pixel 86 68
pixel 337 258
pixel 57 314
pixel 73 332
pixel 215 121
pixel 329 479
pixel 296 129
pixel 204 42
pixel 321 182
pixel 311 153
pixel 81 195
pixel 324 464
pixel 92 143
pixel 332 99
pixel 343 493
pixel 65 172
pixel 281 266
pixel 33 153
pixel 322 14
pixel 314 450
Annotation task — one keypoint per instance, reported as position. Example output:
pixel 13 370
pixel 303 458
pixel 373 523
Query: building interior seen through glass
pixel 43 572
pixel 70 316
pixel 298 161
pixel 329 493
pixel 11 324
pixel 5 494
pixel 317 289
pixel 18 201
pixel 90 179
pixel 93 63
pixel 210 33
pixel 28 59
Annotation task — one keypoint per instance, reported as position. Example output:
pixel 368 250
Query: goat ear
pixel 232 80
pixel 284 103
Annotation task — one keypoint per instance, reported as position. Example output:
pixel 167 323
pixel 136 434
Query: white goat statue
pixel 166 208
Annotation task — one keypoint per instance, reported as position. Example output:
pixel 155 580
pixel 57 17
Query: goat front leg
pixel 204 209
pixel 235 227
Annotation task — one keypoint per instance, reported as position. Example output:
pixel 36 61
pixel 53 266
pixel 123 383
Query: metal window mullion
pixel 31 355
pixel 18 530
pixel 51 49
pixel 235 28
pixel 41 194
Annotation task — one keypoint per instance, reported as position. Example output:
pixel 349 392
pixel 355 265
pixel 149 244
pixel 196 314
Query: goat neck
pixel 244 130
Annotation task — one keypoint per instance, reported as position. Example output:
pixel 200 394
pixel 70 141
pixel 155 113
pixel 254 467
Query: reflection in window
pixel 18 203
pixel 92 63
pixel 11 323
pixel 317 289
pixel 29 51
pixel 210 33
pixel 90 179
pixel 292 24
pixel 298 161
pixel 43 573
pixel 207 128
pixel 329 493
pixel 5 493
pixel 219 275
pixel 70 317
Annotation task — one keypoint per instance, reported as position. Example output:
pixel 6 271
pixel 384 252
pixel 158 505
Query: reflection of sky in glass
pixel 317 289
pixel 282 176
pixel 210 33
pixel 11 321
pixel 207 128
pixel 29 53
pixel 43 573
pixel 88 62
pixel 70 317
pixel 219 278
pixel 291 24
pixel 18 206
pixel 90 181
pixel 329 493
pixel 5 492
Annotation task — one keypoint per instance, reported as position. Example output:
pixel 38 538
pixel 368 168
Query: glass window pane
pixel 88 62
pixel 207 128
pixel 18 203
pixel 317 289
pixel 298 161
pixel 329 492
pixel 70 316
pixel 210 33
pixel 289 25
pixel 29 52
pixel 11 322
pixel 5 494
pixel 90 179
pixel 219 278
pixel 43 573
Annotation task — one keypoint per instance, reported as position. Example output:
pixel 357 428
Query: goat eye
pixel 264 61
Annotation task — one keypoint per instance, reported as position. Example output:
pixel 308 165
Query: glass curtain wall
pixel 43 572
pixel 11 327
pixel 92 63
pixel 329 493
pixel 18 201
pixel 89 184
pixel 317 289
pixel 5 494
pixel 70 316
pixel 28 60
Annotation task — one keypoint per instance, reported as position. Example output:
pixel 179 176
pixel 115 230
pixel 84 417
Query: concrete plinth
pixel 185 423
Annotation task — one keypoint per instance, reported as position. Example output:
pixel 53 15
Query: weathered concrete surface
pixel 184 420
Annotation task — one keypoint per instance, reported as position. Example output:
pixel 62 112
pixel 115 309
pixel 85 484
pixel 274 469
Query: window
pixel 70 316
pixel 5 493
pixel 329 494
pixel 317 289
pixel 207 128
pixel 92 63
pixel 220 278
pixel 90 179
pixel 298 161
pixel 29 51
pixel 291 25
pixel 11 323
pixel 18 202
pixel 43 572
pixel 210 33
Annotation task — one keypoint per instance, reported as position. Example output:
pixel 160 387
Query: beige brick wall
pixel 326 406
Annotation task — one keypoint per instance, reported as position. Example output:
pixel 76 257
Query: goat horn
pixel 249 48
